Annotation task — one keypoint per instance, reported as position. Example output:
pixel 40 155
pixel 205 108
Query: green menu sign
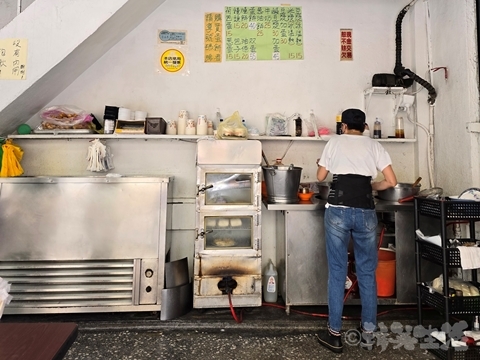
pixel 263 33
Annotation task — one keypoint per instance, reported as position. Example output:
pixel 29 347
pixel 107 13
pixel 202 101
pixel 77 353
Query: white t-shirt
pixel 354 154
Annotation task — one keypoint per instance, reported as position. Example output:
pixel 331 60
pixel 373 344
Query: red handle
pixel 406 199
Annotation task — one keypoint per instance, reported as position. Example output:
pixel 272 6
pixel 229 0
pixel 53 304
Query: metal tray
pixel 63 131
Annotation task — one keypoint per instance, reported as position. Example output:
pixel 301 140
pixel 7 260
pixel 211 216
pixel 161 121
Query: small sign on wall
pixel 346 45
pixel 213 37
pixel 172 52
pixel 13 59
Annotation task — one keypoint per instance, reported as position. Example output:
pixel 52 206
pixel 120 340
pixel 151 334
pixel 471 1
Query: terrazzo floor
pixel 220 345
pixel 266 333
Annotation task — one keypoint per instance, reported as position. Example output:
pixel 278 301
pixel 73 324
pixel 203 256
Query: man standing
pixel 354 160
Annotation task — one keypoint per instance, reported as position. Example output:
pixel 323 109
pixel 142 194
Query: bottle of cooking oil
pixel 270 281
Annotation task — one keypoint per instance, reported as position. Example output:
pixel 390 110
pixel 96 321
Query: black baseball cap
pixel 353 116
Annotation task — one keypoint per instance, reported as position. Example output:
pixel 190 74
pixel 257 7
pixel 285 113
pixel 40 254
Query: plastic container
pixel 386 273
pixel 399 127
pixel 108 126
pixel 270 283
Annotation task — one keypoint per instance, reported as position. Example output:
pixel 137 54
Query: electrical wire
pixel 238 318
pixel 320 315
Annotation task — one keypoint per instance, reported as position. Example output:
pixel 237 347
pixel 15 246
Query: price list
pixel 13 59
pixel 263 33
pixel 213 37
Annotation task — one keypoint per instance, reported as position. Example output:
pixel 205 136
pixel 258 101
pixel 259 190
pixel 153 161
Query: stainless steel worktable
pixel 301 256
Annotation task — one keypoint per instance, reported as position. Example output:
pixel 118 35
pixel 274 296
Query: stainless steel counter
pixel 83 244
pixel 301 256
pixel 317 204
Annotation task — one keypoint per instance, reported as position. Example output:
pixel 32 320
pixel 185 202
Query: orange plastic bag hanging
pixel 12 155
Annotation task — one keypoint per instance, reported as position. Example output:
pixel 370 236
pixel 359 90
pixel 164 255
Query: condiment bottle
pixel 298 126
pixel 338 121
pixel 292 127
pixel 377 129
pixel 269 282
pixel 399 131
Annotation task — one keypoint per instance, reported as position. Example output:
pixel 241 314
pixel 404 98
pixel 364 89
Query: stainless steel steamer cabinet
pixel 228 208
pixel 83 244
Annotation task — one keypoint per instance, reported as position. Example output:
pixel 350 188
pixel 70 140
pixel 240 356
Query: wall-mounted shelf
pixel 178 137
pixel 107 137
pixel 397 92
pixel 324 138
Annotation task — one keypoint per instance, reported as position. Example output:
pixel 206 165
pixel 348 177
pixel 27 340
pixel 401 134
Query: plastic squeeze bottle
pixel 270 281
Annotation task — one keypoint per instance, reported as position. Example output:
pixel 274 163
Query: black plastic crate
pixel 472 353
pixel 454 209
pixel 458 305
pixel 434 253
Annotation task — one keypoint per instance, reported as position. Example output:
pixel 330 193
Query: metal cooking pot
pixel 282 183
pixel 400 191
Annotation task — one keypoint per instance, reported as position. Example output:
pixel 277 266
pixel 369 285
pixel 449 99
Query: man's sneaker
pixel 331 342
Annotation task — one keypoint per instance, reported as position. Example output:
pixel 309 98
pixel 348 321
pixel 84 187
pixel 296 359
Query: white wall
pixel 455 46
pixel 10 8
pixel 64 39
pixel 126 76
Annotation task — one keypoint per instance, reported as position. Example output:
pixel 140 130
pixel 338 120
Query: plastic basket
pixel 434 253
pixel 457 354
pixel 458 305
pixel 453 209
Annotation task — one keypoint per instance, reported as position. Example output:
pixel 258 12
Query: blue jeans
pixel 341 224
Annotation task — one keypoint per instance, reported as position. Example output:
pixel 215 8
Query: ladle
pixel 417 182
pixel 265 159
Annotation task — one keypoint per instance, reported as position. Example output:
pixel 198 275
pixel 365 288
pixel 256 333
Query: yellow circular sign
pixel 172 60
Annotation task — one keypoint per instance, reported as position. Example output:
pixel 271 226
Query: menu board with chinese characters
pixel 13 59
pixel 213 37
pixel 263 33
pixel 346 45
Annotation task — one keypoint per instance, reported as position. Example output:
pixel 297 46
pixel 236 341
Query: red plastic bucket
pixel 386 273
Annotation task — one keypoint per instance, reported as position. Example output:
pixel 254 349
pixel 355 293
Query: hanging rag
pixel 99 157
pixel 12 155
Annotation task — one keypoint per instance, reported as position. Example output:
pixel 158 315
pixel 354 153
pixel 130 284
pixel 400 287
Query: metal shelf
pixel 180 137
pixel 107 137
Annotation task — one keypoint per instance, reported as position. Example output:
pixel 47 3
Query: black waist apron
pixel 352 191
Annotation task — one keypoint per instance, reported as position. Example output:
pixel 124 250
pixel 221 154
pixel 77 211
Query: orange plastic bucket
pixel 386 273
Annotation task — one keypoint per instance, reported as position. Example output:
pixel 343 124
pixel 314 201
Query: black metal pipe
pixel 399 70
